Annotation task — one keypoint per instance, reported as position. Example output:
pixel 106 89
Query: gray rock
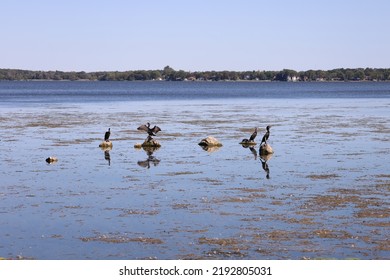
pixel 105 144
pixel 246 142
pixel 210 142
pixel 266 149
pixel 51 159
pixel 148 144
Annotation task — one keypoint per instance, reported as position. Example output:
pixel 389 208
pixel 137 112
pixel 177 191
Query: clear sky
pixel 95 35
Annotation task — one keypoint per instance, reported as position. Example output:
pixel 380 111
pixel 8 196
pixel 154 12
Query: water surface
pixel 323 194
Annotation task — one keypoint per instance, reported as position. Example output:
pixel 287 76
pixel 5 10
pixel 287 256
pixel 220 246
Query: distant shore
pixel 169 74
pixel 198 81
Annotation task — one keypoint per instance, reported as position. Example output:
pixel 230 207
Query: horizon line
pixel 195 71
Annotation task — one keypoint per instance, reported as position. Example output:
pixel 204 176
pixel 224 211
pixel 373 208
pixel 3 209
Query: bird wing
pixel 143 127
pixel 156 129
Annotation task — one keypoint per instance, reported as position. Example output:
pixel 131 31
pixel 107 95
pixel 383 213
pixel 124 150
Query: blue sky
pixel 86 35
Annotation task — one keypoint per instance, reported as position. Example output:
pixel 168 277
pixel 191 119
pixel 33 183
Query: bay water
pixel 324 193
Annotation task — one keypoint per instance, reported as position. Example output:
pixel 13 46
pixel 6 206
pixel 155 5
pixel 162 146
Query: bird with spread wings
pixel 151 131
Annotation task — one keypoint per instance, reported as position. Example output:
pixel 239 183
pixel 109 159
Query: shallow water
pixel 326 194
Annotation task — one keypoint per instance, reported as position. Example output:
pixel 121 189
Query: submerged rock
pixel 210 142
pixel 266 149
pixel 148 144
pixel 51 159
pixel 246 142
pixel 105 144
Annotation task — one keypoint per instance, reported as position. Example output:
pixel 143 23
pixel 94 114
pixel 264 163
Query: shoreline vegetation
pixel 169 74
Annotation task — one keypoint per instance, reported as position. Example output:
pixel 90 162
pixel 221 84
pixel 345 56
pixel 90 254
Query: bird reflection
pixel 264 165
pixel 254 152
pixel 107 156
pixel 151 160
pixel 252 149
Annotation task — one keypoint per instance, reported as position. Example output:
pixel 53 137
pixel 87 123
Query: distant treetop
pixel 169 74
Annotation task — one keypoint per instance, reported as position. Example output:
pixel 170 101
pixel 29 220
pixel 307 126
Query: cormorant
pixel 253 136
pixel 107 135
pixel 251 139
pixel 148 130
pixel 266 135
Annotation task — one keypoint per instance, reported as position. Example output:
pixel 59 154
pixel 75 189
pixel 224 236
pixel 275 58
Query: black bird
pixel 253 136
pixel 251 139
pixel 107 135
pixel 266 135
pixel 150 131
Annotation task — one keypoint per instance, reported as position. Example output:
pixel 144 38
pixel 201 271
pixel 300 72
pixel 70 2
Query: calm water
pixel 323 194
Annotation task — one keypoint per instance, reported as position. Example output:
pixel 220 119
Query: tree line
pixel 169 74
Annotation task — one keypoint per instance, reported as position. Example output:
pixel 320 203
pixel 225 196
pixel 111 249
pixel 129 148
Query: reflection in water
pixel 264 159
pixel 107 156
pixel 210 149
pixel 151 159
pixel 254 152
pixel 252 149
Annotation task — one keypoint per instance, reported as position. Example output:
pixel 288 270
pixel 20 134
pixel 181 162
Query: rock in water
pixel 246 142
pixel 210 142
pixel 266 149
pixel 149 144
pixel 51 159
pixel 105 144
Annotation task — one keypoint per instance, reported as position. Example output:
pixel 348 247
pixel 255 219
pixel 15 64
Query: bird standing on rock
pixel 150 131
pixel 251 139
pixel 253 136
pixel 107 135
pixel 266 135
